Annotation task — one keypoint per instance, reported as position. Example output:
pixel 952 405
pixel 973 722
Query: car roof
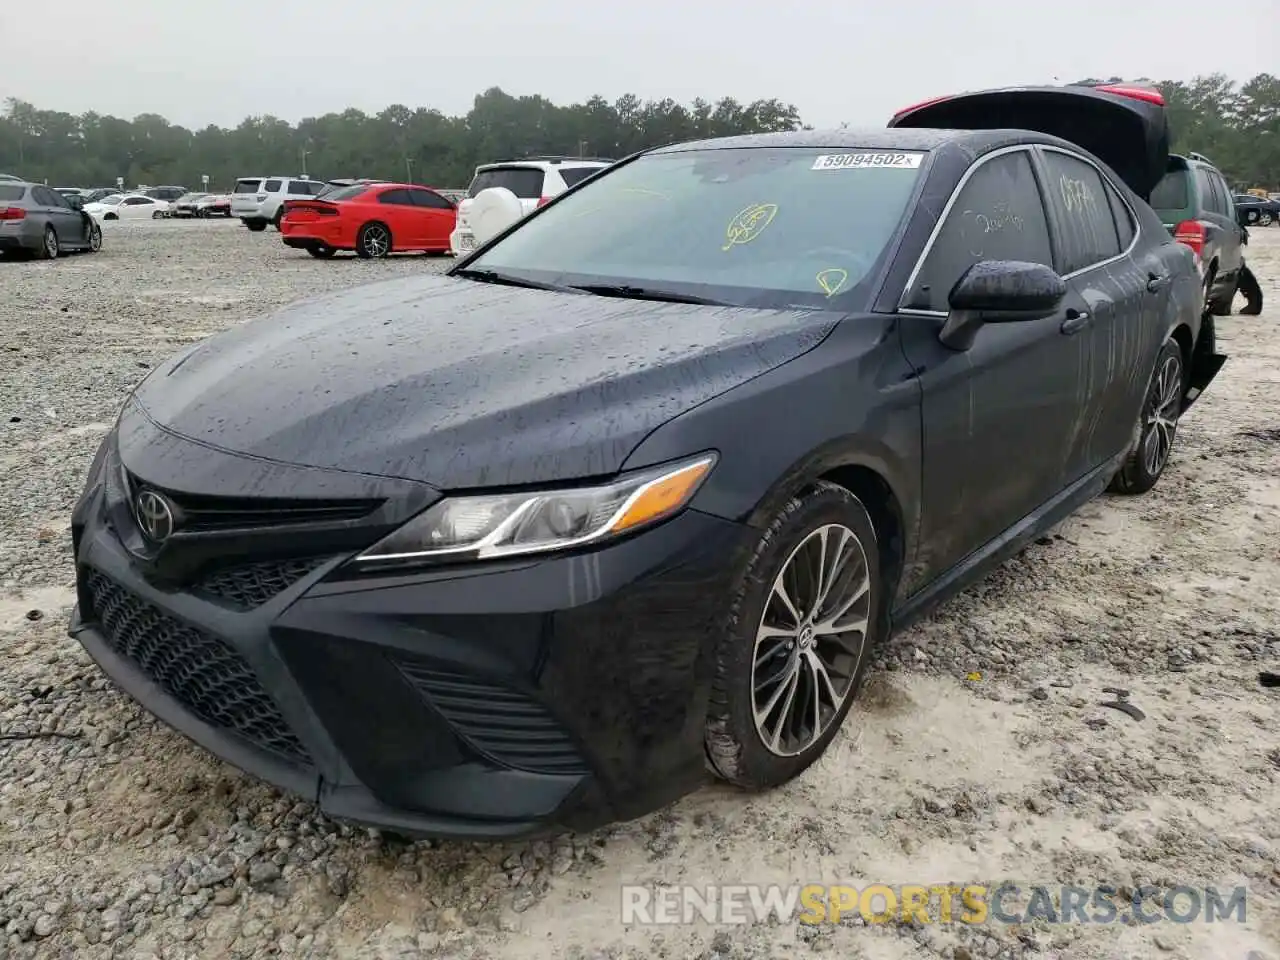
pixel 546 163
pixel 874 138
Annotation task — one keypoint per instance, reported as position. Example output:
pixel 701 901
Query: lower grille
pixel 503 724
pixel 200 671
pixel 253 584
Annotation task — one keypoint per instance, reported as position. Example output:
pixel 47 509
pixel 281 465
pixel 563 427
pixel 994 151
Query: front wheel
pixel 157 215
pixel 1265 220
pixel 256 226
pixel 373 241
pixel 1157 424
pixel 801 626
pixel 95 238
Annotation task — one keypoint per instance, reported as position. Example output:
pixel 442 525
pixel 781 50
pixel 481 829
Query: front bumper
pixel 483 702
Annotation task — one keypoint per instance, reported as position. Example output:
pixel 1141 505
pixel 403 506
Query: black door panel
pixel 1000 419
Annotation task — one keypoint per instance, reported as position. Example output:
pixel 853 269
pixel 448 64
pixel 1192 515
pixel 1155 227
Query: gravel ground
pixel 981 753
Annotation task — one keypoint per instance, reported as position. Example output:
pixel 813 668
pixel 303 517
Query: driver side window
pixel 998 215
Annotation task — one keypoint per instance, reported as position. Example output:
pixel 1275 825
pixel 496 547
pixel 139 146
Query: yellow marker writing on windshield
pixel 749 224
pixel 831 280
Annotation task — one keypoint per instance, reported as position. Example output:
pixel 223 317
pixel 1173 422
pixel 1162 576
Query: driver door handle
pixel 1075 322
pixel 1156 281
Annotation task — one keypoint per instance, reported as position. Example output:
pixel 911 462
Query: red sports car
pixel 373 219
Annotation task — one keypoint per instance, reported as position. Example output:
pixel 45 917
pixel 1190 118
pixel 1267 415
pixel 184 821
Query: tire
pixel 322 252
pixel 275 222
pixel 49 248
pixel 256 226
pixel 1265 220
pixel 373 241
pixel 1219 306
pixel 95 238
pixel 760 634
pixel 1251 291
pixel 110 216
pixel 157 215
pixel 1157 424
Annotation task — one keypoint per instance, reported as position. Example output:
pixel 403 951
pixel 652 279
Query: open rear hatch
pixel 1122 124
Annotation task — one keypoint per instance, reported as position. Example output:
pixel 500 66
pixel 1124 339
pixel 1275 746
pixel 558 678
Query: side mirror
pixel 77 203
pixel 999 291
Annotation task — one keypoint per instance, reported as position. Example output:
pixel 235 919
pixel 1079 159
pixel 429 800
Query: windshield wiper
pixel 646 293
pixel 493 276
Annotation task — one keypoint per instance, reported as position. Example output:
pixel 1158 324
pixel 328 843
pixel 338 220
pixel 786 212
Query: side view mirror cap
pixel 999 291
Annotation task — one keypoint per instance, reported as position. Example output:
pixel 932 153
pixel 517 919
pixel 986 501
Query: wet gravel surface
pixel 981 752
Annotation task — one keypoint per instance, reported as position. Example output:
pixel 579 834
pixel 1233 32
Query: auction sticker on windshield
pixel 868 158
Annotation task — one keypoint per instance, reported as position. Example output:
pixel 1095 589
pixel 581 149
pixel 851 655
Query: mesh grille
pixel 499 722
pixel 253 584
pixel 200 671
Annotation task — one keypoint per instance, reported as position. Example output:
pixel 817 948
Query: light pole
pixel 303 154
pixel 408 169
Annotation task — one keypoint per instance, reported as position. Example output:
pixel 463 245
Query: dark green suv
pixel 1196 206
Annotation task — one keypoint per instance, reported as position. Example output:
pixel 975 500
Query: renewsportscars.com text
pixel 933 903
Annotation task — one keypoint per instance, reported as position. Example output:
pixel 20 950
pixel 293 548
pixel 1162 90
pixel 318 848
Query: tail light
pixel 12 213
pixel 543 201
pixel 1191 232
pixel 916 106
pixel 1146 94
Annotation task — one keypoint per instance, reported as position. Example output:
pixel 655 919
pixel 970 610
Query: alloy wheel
pixel 50 243
pixel 1162 415
pixel 95 238
pixel 810 640
pixel 376 241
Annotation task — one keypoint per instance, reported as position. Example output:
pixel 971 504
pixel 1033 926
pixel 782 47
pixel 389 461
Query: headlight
pixel 502 525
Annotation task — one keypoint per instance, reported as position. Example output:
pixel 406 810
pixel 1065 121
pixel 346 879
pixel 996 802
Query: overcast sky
pixel 852 61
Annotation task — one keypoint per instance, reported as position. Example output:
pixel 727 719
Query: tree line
pixel 1237 126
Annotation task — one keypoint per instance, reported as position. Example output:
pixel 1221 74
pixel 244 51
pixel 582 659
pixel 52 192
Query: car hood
pixel 1129 135
pixel 464 384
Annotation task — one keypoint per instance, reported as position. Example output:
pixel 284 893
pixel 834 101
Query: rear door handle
pixel 1156 281
pixel 1075 322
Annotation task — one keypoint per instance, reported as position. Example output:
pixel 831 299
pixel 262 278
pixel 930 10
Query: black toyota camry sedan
pixel 633 492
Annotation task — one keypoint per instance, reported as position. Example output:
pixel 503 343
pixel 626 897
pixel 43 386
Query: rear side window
pixel 271 186
pixel 1085 222
pixel 1123 218
pixel 248 186
pixel 575 175
pixel 8 192
pixel 997 216
pixel 136 201
pixel 346 193
pixel 300 188
pixel 524 182
pixel 433 201
pixel 1228 202
pixel 1172 193
pixel 398 197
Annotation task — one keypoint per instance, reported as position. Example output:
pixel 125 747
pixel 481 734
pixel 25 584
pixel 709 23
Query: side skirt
pixel 977 564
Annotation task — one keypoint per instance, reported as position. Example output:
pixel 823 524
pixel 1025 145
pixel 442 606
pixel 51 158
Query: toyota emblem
pixel 155 516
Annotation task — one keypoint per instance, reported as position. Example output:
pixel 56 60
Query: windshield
pixel 1170 193
pixel 11 192
pixel 772 227
pixel 524 182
